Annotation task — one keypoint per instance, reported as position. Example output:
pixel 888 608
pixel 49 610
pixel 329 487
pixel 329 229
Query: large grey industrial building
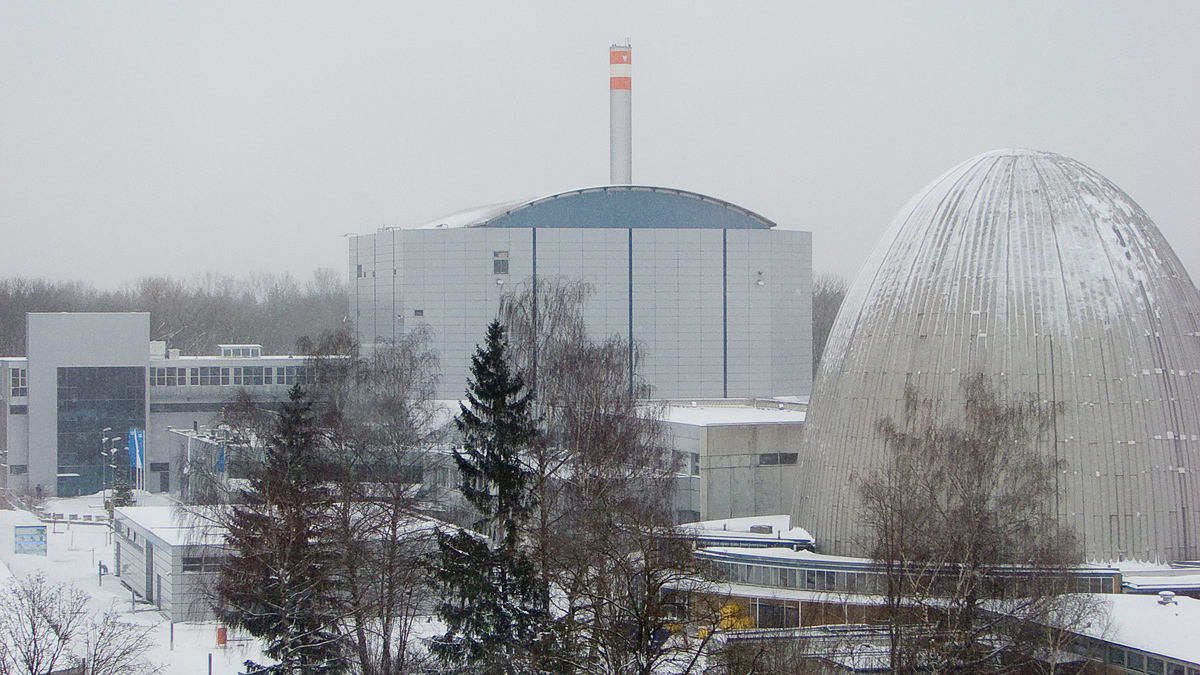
pixel 1038 272
pixel 718 298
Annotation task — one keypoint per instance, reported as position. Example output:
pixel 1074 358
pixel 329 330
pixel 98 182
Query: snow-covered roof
pixel 711 416
pixel 1142 622
pixel 1153 584
pixel 787 555
pixel 472 216
pixel 791 594
pixel 174 525
pixel 769 528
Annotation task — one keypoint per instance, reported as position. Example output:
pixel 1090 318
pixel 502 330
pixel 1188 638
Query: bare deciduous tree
pixel 964 525
pixel 381 453
pixel 41 621
pixel 378 428
pixel 46 626
pixel 115 647
pixel 192 314
pixel 603 530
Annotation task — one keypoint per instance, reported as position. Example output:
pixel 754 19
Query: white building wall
pixel 706 325
pixel 72 340
pixel 14 427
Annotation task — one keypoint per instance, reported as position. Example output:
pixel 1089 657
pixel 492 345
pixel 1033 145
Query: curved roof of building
pixel 611 206
pixel 1040 273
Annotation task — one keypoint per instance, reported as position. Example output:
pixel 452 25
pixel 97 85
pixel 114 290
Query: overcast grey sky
pixel 143 138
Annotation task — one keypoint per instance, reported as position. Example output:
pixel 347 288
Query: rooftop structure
pixel 1041 274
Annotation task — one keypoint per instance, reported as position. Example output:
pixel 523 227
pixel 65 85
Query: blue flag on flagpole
pixel 137 449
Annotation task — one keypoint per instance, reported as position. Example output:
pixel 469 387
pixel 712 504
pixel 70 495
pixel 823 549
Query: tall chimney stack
pixel 620 107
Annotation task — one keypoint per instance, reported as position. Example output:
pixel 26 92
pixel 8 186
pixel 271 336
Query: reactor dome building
pixel 1038 272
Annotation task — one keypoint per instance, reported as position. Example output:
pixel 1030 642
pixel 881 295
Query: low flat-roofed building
pixel 751 532
pixel 1157 635
pixel 169 557
pixel 739 454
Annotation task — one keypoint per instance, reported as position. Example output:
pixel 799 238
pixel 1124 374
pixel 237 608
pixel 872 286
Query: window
pixel 160 466
pixel 168 377
pixel 1116 656
pixel 777 458
pixel 1135 661
pixel 1154 666
pixel 20 382
pixel 196 564
pixel 18 469
pixel 500 262
pixel 241 351
pixel 418 312
pixel 194 376
pixel 207 376
pixel 695 464
pixel 360 272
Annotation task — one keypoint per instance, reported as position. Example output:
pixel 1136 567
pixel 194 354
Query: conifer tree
pixel 493 602
pixel 279 582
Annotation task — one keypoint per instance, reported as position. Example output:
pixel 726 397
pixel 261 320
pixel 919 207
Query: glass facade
pixel 91 400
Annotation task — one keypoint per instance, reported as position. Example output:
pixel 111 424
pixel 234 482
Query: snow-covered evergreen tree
pixel 280 584
pixel 493 602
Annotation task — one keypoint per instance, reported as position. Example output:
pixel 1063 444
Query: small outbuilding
pixel 170 557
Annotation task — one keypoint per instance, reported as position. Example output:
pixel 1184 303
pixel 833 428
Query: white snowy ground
pixel 72 553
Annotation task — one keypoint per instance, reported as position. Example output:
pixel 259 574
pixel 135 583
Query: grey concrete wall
pixel 732 483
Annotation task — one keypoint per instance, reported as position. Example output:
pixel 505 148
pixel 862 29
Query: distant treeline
pixel 194 314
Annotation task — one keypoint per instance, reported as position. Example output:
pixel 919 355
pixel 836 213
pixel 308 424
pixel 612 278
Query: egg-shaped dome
pixel 1041 274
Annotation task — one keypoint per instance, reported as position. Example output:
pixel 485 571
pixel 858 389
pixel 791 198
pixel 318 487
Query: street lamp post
pixel 105 444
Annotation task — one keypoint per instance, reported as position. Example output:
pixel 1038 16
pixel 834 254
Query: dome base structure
pixel 1039 273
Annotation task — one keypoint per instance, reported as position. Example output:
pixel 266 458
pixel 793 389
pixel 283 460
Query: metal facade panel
pixel 707 326
pixel 1037 271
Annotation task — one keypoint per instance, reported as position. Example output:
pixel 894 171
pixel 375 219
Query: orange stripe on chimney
pixel 615 83
pixel 617 57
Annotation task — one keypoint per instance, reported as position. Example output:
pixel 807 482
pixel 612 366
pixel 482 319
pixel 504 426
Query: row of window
pixel 241 351
pixel 777 458
pixel 125 531
pixel 195 565
pixel 849 582
pixel 20 381
pixel 1135 661
pixel 784 577
pixel 237 376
